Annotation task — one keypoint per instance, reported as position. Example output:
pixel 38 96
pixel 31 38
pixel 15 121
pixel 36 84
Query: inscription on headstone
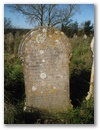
pixel 45 53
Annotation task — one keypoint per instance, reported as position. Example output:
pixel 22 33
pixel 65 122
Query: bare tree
pixel 46 14
pixel 62 13
pixel 7 23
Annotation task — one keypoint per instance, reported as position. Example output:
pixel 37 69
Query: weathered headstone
pixel 74 36
pixel 85 36
pixel 45 53
pixel 16 42
pixel 9 38
pixel 17 35
pixel 91 88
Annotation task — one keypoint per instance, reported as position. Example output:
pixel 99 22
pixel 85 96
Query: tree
pixel 7 23
pixel 46 14
pixel 70 29
pixel 88 28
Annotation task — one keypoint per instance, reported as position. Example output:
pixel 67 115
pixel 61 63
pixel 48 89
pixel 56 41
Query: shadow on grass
pixel 28 118
pixel 39 117
pixel 79 86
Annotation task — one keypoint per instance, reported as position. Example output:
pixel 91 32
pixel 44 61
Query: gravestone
pixel 17 35
pixel 91 88
pixel 85 36
pixel 9 38
pixel 45 53
pixel 16 42
pixel 74 36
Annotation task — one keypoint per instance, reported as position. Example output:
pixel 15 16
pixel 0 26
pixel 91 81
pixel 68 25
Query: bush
pixel 13 79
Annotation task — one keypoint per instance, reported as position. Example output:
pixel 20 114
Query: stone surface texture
pixel 45 53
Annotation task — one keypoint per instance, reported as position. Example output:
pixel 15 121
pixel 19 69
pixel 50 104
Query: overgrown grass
pixel 80 115
pixel 13 79
pixel 80 69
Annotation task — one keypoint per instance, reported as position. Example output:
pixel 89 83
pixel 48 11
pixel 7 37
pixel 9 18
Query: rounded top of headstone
pixel 44 36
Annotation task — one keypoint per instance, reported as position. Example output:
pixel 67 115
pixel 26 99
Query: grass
pixel 79 115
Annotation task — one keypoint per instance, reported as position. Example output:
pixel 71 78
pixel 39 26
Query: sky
pixel 86 13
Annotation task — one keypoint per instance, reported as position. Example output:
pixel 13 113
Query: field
pixel 14 91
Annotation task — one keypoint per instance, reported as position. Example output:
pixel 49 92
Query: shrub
pixel 13 79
